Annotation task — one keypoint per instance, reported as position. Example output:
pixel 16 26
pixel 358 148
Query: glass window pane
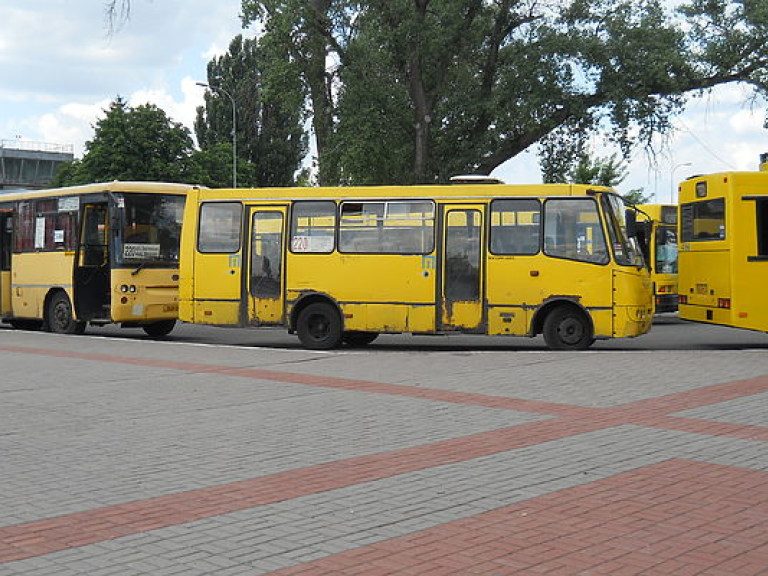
pixel 703 221
pixel 572 230
pixel 266 254
pixel 666 250
pixel 515 226
pixel 313 227
pixel 220 227
pixel 462 255
pixel 387 227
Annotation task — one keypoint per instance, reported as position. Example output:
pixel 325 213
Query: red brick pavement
pixel 549 539
pixel 676 518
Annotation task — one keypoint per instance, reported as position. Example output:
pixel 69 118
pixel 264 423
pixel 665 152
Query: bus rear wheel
pixel 159 329
pixel 356 338
pixel 319 326
pixel 61 319
pixel 566 328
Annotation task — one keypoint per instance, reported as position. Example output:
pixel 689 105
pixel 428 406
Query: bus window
pixel 462 255
pixel 151 225
pixel 572 231
pixel 94 242
pixel 313 227
pixel 266 255
pixel 515 227
pixel 220 225
pixel 666 250
pixel 387 227
pixel 703 221
pixel 761 210
pixel 6 232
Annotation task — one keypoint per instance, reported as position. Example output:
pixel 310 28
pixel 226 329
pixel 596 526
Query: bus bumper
pixel 631 321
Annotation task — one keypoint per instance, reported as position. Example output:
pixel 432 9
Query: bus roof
pixel 449 191
pixel 114 186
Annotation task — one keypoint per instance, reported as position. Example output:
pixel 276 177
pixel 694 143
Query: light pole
pixel 672 180
pixel 234 127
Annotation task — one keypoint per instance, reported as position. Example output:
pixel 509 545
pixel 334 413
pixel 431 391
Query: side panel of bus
pixel 214 247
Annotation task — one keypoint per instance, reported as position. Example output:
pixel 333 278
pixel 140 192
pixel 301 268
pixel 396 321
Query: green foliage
pixel 636 197
pixel 269 110
pixel 139 143
pixel 421 90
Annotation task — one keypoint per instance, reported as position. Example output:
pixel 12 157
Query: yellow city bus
pixel 99 253
pixel 342 265
pixel 724 249
pixel 659 239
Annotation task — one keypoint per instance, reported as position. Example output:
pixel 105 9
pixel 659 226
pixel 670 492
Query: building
pixel 31 165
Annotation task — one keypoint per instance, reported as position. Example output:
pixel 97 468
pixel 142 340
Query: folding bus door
pixel 462 287
pixel 265 279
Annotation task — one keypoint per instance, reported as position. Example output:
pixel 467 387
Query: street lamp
pixel 234 127
pixel 672 180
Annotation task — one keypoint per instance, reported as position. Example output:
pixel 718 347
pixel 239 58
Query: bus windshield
pixel 666 250
pixel 151 230
pixel 625 249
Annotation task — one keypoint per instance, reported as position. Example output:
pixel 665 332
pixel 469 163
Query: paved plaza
pixel 125 456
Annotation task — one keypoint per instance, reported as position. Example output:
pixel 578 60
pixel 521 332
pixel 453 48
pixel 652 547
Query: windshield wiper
pixel 138 268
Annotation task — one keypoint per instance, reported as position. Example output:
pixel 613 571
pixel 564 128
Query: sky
pixel 60 68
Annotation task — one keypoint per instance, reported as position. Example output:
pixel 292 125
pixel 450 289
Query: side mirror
pixel 631 219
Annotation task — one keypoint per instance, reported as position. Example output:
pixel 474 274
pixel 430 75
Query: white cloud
pixel 61 67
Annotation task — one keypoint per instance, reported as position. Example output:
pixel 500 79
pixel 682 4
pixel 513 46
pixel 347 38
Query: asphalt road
pixel 668 333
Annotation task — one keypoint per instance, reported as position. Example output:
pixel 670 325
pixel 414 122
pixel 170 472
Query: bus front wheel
pixel 60 319
pixel 159 329
pixel 319 326
pixel 566 328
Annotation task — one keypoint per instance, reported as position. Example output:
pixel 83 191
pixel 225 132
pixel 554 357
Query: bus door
pixel 462 290
pixel 92 264
pixel 264 280
pixel 6 228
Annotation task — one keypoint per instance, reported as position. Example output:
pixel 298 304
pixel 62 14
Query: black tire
pixel 356 338
pixel 26 324
pixel 160 328
pixel 319 326
pixel 567 328
pixel 60 318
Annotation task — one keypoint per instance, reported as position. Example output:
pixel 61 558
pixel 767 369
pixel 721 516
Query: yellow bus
pixel 98 254
pixel 342 265
pixel 659 240
pixel 724 249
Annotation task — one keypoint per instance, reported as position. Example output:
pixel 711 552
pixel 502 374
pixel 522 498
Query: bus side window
pixel 761 210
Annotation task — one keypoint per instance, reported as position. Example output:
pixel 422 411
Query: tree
pixel 610 172
pixel 457 86
pixel 269 104
pixel 129 143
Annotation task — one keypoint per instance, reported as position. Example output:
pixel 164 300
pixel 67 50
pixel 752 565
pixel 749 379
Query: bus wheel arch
pixel 318 322
pixel 565 325
pixel 59 315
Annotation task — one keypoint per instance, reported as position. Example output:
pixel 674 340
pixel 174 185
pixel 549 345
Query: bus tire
pixel 159 329
pixel 61 319
pixel 357 338
pixel 567 328
pixel 319 326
